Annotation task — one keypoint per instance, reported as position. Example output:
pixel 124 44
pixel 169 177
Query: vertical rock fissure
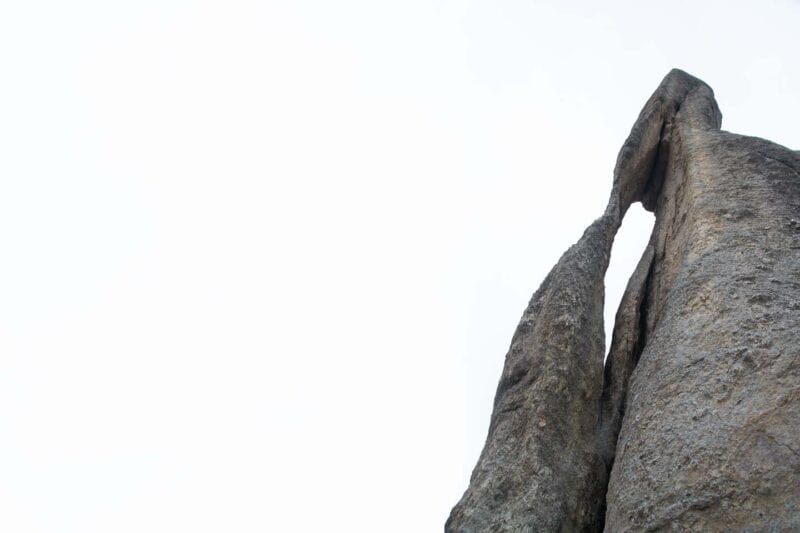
pixel 643 333
pixel 628 343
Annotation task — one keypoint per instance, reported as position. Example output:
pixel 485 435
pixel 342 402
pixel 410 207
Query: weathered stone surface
pixel 542 467
pixel 709 438
pixel 696 414
pixel 539 470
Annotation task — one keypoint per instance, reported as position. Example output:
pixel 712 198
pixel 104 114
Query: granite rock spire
pixel 693 421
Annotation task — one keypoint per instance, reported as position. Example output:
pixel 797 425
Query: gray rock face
pixel 694 421
pixel 711 428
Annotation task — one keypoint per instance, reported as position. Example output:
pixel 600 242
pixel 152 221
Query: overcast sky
pixel 262 260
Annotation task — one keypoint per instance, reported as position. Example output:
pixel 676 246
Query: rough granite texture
pixel 693 422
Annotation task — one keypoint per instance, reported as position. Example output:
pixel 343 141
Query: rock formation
pixel 693 423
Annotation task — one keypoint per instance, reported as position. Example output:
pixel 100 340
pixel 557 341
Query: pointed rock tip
pixel 642 158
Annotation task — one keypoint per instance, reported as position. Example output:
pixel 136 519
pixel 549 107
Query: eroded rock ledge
pixel 695 418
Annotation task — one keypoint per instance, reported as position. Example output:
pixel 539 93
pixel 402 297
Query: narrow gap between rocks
pixel 629 243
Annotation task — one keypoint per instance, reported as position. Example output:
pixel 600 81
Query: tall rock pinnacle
pixel 694 420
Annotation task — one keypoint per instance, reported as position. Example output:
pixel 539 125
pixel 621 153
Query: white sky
pixel 262 260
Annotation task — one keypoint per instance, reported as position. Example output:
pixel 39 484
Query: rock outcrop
pixel 693 421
